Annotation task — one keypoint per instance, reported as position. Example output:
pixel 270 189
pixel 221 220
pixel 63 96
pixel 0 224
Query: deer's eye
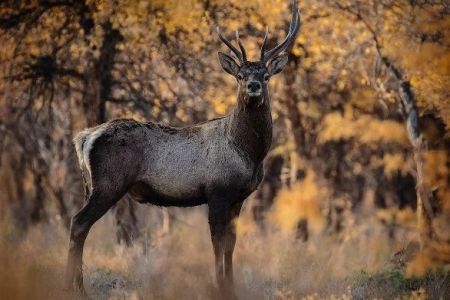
pixel 240 76
pixel 266 77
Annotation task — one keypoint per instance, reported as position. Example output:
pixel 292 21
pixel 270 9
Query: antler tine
pixel 264 43
pixel 290 38
pixel 244 54
pixel 229 45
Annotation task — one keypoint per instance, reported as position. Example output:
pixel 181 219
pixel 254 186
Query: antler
pixel 290 38
pixel 264 44
pixel 244 54
pixel 266 56
pixel 240 55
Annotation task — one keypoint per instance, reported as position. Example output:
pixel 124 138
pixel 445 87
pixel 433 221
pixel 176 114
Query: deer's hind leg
pixel 98 203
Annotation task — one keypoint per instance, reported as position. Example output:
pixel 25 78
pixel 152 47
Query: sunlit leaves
pixel 301 201
pixel 365 129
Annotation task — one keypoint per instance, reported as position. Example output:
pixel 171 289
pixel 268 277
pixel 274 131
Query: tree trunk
pixel 407 105
pixel 126 220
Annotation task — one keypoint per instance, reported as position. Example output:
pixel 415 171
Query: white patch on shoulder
pixel 90 139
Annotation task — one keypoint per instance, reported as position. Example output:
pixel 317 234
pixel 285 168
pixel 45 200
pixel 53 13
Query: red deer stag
pixel 218 163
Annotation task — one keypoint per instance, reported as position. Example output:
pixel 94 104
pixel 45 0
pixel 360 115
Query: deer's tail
pixel 84 142
pixel 79 141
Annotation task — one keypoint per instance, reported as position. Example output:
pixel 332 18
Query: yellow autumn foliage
pixel 301 201
pixel 365 128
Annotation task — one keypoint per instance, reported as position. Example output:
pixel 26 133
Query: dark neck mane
pixel 250 126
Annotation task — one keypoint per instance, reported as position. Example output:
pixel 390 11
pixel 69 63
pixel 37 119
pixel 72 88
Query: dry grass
pixel 179 265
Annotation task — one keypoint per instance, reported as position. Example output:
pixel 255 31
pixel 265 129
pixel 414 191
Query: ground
pixel 179 264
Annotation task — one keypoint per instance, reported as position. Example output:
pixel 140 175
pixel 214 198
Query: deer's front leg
pixel 223 236
pixel 217 224
pixel 230 242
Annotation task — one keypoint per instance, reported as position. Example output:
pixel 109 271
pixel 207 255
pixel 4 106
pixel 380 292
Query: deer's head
pixel 253 76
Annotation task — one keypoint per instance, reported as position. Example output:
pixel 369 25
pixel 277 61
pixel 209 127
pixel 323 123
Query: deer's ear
pixel 277 64
pixel 228 64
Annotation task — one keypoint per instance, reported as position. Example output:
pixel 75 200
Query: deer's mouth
pixel 254 94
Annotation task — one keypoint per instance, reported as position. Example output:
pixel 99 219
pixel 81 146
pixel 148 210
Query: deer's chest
pixel 239 179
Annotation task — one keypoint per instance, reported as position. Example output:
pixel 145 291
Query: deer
pixel 218 162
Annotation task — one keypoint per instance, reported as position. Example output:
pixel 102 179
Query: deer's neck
pixel 250 126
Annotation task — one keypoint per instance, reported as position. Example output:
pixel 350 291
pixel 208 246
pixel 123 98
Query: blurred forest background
pixel 356 198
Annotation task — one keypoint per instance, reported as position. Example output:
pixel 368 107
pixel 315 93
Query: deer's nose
pixel 254 86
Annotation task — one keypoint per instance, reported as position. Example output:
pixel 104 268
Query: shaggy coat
pixel 218 162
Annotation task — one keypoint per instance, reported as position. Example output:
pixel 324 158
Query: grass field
pixel 179 265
